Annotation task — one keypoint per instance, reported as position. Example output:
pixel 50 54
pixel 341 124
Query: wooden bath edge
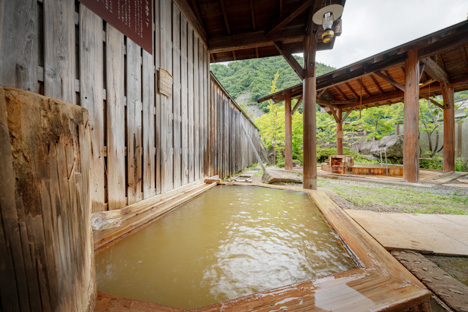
pixel 380 284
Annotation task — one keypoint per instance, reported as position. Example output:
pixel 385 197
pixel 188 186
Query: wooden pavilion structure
pixel 436 64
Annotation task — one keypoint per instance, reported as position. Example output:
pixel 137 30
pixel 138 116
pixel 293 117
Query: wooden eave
pixel 245 29
pixel 378 80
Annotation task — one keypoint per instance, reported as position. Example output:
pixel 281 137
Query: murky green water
pixel 229 242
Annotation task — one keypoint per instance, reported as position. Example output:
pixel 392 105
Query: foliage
pixel 438 163
pixel 255 75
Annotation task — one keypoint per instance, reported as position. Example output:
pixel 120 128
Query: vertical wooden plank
pixel 59 50
pixel 18 58
pixel 196 89
pixel 176 95
pixel 148 126
pixel 91 85
pixel 191 104
pixel 116 186
pixel 134 135
pixel 449 129
pixel 157 118
pixel 201 75
pixel 166 107
pixel 184 100
pixel 411 118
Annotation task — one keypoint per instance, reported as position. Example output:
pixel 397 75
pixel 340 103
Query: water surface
pixel 228 242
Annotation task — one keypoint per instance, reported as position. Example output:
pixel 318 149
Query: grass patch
pixel 403 199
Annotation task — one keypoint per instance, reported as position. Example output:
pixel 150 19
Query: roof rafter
pixel 288 19
pixel 226 21
pixel 390 80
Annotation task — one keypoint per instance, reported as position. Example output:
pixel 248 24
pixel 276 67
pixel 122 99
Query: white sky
pixel 373 26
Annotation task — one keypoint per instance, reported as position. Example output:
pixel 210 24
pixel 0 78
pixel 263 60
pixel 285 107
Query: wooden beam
pixel 339 132
pixel 335 116
pixel 256 52
pixel 411 118
pixel 287 133
pixel 299 101
pixel 290 59
pixel 422 68
pixel 291 16
pixel 435 103
pixel 337 88
pixel 435 70
pixel 226 21
pixel 346 115
pixel 391 80
pixel 309 115
pixel 352 90
pixel 449 129
pixel 363 87
pixel 376 84
pixel 252 15
pixel 322 92
pixel 256 39
pixel 465 57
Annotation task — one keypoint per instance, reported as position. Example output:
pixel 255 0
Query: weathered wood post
pixel 411 118
pixel 449 128
pixel 287 133
pixel 339 132
pixel 309 114
pixel 46 248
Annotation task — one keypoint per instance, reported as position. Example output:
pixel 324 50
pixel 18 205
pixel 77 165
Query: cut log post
pixel 449 129
pixel 411 118
pixel 47 258
pixel 287 133
pixel 339 132
pixel 309 114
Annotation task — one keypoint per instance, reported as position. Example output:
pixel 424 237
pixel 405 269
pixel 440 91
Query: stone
pixel 278 176
pixel 392 145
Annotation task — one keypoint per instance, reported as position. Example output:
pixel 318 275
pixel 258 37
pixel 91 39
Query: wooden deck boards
pixel 440 234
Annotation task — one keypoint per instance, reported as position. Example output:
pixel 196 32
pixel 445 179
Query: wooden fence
pixel 143 143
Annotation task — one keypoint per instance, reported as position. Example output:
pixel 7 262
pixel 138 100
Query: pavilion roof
pixel 379 79
pixel 245 29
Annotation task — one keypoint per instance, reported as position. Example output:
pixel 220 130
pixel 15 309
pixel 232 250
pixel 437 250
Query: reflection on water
pixel 229 242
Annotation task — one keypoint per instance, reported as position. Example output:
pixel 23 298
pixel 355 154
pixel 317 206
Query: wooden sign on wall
pixel 165 82
pixel 134 18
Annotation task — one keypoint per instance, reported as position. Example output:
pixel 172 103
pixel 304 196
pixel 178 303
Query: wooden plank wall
pixel 143 143
pixel 228 150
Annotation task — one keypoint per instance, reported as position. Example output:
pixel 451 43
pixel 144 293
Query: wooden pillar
pixel 339 132
pixel 460 139
pixel 397 129
pixel 287 133
pixel 449 129
pixel 309 114
pixel 411 118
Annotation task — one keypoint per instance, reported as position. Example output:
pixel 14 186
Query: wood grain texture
pixel 176 65
pixel 148 124
pixel 449 129
pixel 59 50
pixel 46 234
pixel 191 104
pixel 18 58
pixel 116 184
pixel 134 118
pixel 184 101
pixel 91 85
pixel 411 119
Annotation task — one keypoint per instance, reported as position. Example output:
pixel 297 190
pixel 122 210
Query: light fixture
pixel 325 17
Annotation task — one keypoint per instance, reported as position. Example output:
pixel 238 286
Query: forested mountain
pixel 254 76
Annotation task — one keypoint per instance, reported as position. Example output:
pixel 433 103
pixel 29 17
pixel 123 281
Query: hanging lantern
pixel 325 17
